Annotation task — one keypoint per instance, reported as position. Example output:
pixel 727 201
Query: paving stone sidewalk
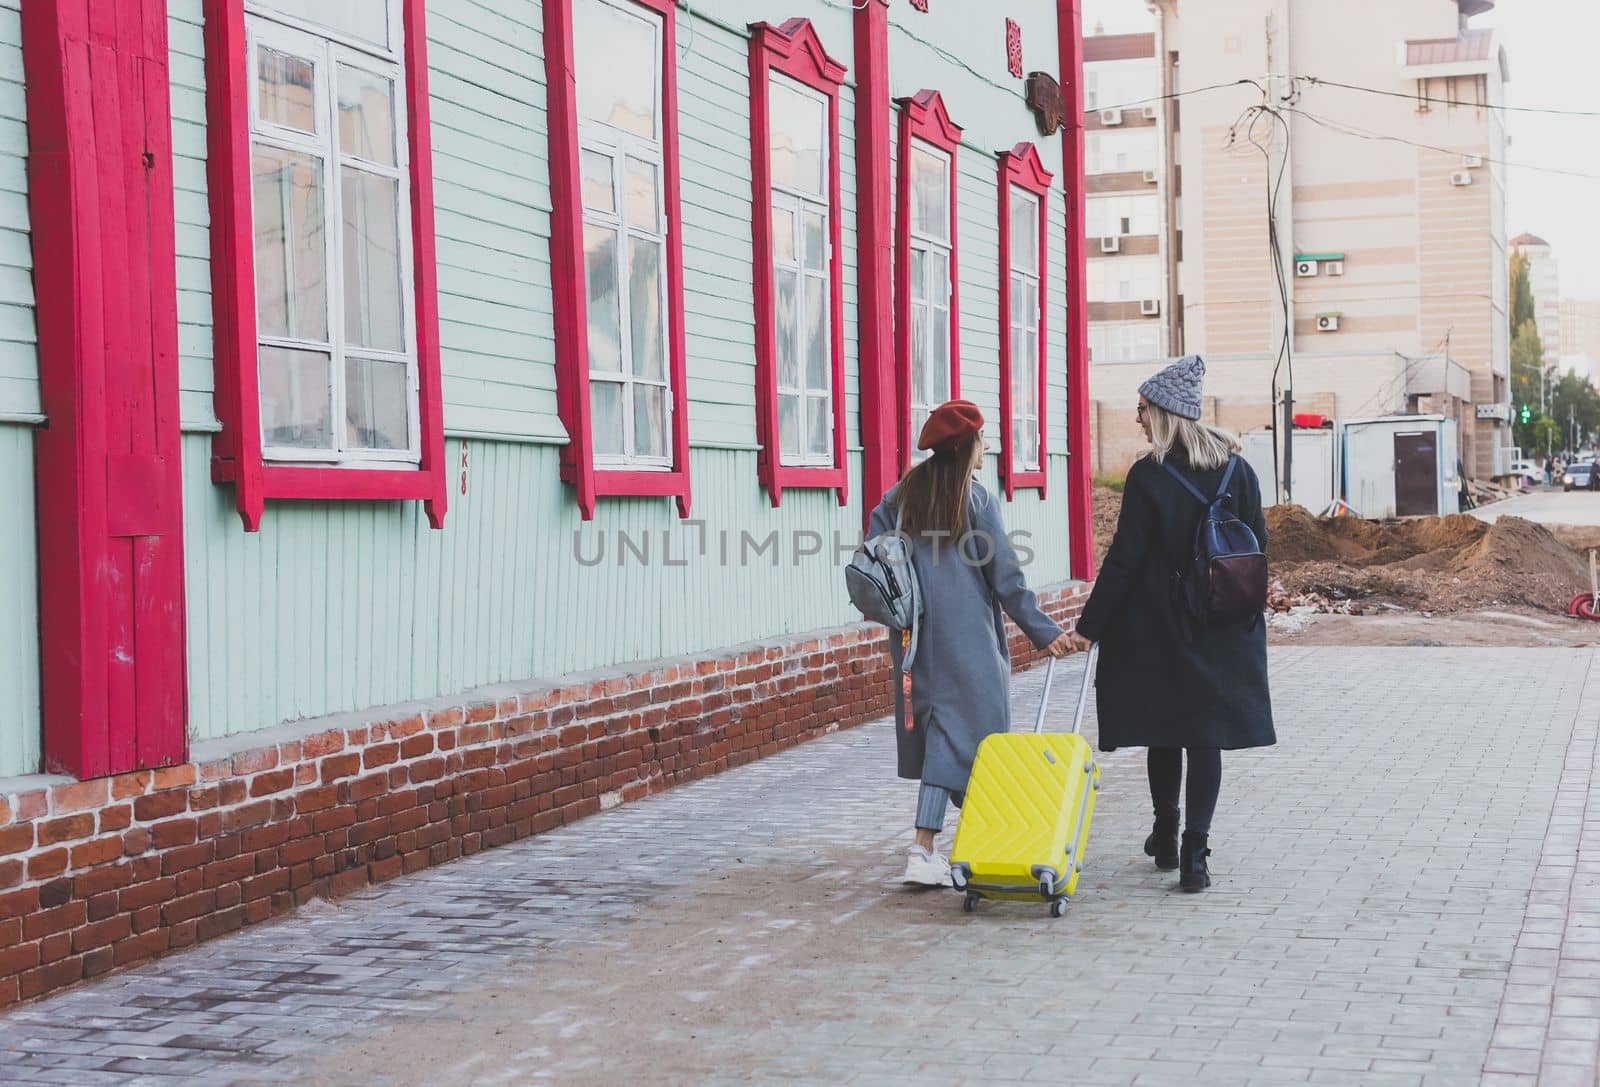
pixel 1410 846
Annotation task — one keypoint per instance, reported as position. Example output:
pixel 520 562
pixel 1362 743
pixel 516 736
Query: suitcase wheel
pixel 1047 887
pixel 1058 908
pixel 970 902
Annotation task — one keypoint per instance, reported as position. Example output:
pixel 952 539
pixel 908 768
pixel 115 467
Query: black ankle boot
pixel 1192 872
pixel 1163 841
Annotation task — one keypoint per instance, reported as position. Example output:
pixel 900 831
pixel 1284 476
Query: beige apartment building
pixel 1580 327
pixel 1390 216
pixel 1544 283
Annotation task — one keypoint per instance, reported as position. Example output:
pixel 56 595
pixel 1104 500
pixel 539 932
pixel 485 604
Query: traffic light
pixel 1527 414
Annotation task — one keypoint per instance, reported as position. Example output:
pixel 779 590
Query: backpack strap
pixel 1227 476
pixel 1190 487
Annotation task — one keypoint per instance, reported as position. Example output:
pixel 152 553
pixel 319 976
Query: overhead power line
pixel 1432 101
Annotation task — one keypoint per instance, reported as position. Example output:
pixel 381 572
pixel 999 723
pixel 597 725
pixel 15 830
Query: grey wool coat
pixel 961 677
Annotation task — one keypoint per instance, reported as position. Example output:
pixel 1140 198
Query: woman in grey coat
pixel 968 571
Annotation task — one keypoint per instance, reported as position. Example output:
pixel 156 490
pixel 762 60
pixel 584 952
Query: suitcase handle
pixel 1083 692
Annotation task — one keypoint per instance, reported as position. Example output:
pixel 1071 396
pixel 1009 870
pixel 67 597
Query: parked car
pixel 1528 473
pixel 1577 476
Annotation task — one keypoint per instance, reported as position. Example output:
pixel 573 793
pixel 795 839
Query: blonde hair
pixel 1204 447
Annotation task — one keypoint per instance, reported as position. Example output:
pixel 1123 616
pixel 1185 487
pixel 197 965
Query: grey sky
pixel 1550 45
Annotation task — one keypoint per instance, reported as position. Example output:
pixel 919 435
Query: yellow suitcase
pixel 1025 821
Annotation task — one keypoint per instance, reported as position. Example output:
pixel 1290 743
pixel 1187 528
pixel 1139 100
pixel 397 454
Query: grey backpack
pixel 883 585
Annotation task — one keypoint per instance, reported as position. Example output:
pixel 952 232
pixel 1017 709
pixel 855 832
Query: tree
pixel 1521 291
pixel 1575 410
pixel 1527 366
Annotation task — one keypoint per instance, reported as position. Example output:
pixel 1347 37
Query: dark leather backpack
pixel 1226 582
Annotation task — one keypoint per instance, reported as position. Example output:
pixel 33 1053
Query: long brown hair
pixel 933 493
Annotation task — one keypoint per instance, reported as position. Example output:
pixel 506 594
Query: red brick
pixel 126 785
pixel 183 935
pixel 313 800
pixel 59 919
pixel 10 873
pixel 232 791
pixel 416 746
pixel 102 905
pixel 101 933
pixel 66 829
pixel 52 862
pixel 79 796
pixel 55 947
pixel 45 978
pixel 118 817
pixel 100 851
pixel 288 752
pixel 427 769
pixel 34 805
pixel 340 766
pixel 186 857
pixel 173 832
pixel 143 946
pixel 216 769
pixel 188 907
pixel 203 798
pixel 99 961
pixel 227 896
pixel 299 851
pixel 266 884
pixel 154 806
pixel 253 762
pixel 269 783
pixel 146 919
pixel 16 839
pixel 174 777
pixel 147 894
pixel 17 959
pixel 58 892
pixel 324 743
pixel 220 922
pixel 229 871
pixel 380 755
pixel 251 815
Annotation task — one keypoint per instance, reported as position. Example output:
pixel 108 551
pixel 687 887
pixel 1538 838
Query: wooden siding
pixel 19 619
pixel 19 360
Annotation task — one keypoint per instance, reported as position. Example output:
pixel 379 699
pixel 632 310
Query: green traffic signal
pixel 1526 413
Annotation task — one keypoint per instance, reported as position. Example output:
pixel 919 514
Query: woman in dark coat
pixel 968 572
pixel 1162 685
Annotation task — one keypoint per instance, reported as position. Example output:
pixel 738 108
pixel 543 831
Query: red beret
pixel 950 424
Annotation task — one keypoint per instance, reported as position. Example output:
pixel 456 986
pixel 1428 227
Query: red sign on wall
pixel 920 5
pixel 1014 48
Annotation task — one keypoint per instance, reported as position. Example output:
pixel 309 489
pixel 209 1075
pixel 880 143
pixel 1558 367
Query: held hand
pixel 1079 643
pixel 1060 647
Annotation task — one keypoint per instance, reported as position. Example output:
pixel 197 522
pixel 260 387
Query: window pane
pixel 816 244
pixel 783 235
pixel 816 334
pixel 919 275
pixel 366 115
pixel 644 309
pixel 789 425
pixel 1024 231
pixel 930 206
pixel 600 273
pixel 605 417
pixel 1019 441
pixel 598 184
pixel 919 357
pixel 372 307
pixel 941 356
pixel 799 123
pixel 290 254
pixel 939 287
pixel 1018 302
pixel 643 195
pixel 296 401
pixel 786 302
pixel 616 57
pixel 375 404
pixel 820 414
pixel 367 20
pixel 285 89
pixel 649 421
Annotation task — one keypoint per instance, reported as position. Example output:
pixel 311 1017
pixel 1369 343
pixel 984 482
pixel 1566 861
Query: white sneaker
pixel 926 869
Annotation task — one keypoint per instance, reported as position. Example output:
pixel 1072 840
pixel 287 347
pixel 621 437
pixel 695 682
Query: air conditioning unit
pixel 1472 162
pixel 1327 322
pixel 1150 307
pixel 1110 244
pixel 1151 177
pixel 1334 267
pixel 1460 177
pixel 1305 268
pixel 1111 116
pixel 1149 113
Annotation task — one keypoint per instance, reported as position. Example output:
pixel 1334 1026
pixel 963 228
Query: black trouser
pixel 1205 781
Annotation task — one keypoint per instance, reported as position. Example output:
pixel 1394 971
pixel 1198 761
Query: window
pixel 1024 193
pixel 927 315
pixel 1109 215
pixel 616 252
pixel 323 270
pixel 1129 341
pixel 1124 279
pixel 794 121
pixel 1121 151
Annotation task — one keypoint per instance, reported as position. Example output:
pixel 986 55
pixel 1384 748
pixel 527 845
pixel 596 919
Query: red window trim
pixel 922 117
pixel 1021 167
pixel 236 451
pixel 567 271
pixel 794 50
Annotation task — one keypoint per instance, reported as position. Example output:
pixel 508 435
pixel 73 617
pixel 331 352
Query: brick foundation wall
pixel 103 873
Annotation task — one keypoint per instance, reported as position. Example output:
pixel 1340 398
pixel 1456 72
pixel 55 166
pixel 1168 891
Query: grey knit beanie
pixel 1177 388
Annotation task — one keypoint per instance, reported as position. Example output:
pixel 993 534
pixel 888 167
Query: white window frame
pixel 1025 277
pixel 927 308
pixel 620 147
pixel 797 203
pixel 327 51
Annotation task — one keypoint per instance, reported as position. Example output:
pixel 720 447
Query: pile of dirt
pixel 1431 564
pixel 1436 564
